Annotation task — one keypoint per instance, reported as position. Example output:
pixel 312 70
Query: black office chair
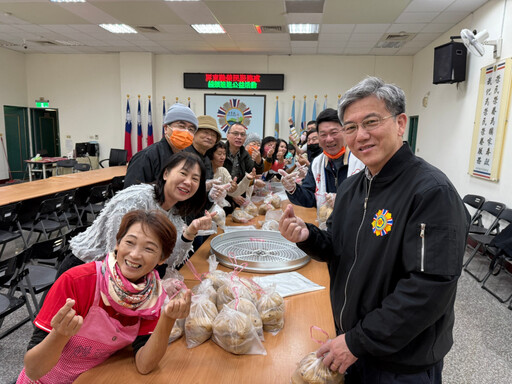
pixel 47 219
pixel 10 227
pixel 12 271
pixel 81 167
pixel 485 241
pixel 68 163
pixel 117 157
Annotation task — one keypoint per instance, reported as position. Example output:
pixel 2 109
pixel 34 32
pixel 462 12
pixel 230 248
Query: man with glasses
pixel 394 245
pixel 180 125
pixel 328 169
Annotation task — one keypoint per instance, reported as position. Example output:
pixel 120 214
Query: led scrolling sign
pixel 248 81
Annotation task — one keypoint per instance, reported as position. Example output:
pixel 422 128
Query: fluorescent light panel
pixel 67 1
pixel 303 28
pixel 118 28
pixel 208 28
pixel 182 0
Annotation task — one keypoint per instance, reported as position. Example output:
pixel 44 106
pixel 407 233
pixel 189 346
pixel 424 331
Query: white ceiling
pixel 347 27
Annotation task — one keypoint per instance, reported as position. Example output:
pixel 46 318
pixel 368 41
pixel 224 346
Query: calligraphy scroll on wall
pixel 490 120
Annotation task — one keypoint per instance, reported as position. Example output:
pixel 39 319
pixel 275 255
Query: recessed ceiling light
pixel 208 28
pixel 67 1
pixel 118 28
pixel 303 28
pixel 182 0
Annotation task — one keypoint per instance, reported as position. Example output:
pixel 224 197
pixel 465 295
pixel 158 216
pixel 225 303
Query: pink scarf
pixel 141 300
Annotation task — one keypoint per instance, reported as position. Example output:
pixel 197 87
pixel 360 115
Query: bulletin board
pixel 490 120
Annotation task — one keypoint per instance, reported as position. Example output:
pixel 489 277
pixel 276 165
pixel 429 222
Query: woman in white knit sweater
pixel 179 191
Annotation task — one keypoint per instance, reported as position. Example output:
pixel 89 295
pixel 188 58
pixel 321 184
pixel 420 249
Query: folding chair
pixel 475 202
pixel 41 277
pixel 95 202
pixel 489 213
pixel 486 239
pixel 117 184
pixel 501 249
pixel 47 219
pixel 62 164
pixel 11 274
pixel 70 210
pixel 10 227
pixel 81 167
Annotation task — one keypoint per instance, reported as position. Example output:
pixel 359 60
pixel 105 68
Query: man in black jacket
pixel 180 124
pixel 238 161
pixel 394 245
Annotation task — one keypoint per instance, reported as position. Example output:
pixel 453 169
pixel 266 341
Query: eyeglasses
pixel 183 125
pixel 238 134
pixel 368 124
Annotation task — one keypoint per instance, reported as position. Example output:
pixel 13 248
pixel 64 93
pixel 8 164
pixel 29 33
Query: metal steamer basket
pixel 262 251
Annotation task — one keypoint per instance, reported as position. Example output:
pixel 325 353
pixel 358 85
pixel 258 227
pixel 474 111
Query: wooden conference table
pixel 44 187
pixel 209 363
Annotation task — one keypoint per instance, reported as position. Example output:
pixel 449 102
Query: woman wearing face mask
pixel 178 192
pixel 98 308
pixel 267 149
pixel 180 124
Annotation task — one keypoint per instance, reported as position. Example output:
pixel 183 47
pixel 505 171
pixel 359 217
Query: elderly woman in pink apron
pixel 98 308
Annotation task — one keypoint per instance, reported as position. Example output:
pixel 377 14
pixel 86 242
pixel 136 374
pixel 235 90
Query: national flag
pixel 276 129
pixel 293 110
pixel 314 110
pixel 303 122
pixel 163 116
pixel 150 123
pixel 128 130
pixel 139 129
pixel 325 103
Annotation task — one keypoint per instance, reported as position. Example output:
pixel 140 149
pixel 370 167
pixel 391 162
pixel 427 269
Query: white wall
pixel 13 92
pixel 445 128
pixel 90 90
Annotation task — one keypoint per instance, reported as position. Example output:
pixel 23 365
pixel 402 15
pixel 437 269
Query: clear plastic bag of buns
pixel 248 307
pixel 177 330
pixel 270 305
pixel 325 204
pixel 311 370
pixel 205 287
pixel 274 200
pixel 216 276
pixel 231 289
pixel 241 216
pixel 234 332
pixel 198 324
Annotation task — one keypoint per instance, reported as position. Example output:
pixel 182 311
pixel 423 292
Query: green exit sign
pixel 42 104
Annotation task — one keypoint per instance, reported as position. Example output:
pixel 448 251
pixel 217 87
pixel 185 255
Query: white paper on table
pixel 288 283
pixel 232 228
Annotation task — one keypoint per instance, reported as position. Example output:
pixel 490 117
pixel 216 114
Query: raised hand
pixel 178 308
pixel 292 227
pixel 66 322
pixel 288 180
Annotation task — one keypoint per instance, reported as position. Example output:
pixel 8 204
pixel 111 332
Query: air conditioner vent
pixel 271 29
pixel 146 29
pixel 394 40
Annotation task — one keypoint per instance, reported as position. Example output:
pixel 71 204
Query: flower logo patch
pixel 382 222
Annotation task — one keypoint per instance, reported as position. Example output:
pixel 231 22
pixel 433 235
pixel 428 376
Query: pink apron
pixel 99 337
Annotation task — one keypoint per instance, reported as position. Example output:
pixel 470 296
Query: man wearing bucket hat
pixel 180 125
pixel 206 136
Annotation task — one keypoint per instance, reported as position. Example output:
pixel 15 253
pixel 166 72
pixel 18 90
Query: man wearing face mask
pixel 327 170
pixel 180 124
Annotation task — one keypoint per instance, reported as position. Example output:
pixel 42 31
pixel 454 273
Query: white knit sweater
pixel 100 237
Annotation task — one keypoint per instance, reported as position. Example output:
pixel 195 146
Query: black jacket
pixel 246 164
pixel 206 161
pixel 393 286
pixel 146 165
